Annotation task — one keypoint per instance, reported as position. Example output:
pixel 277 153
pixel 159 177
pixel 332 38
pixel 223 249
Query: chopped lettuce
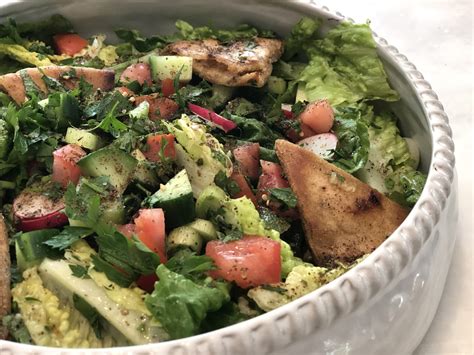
pixel 405 185
pixel 300 281
pixel 49 322
pixel 199 153
pixel 389 167
pixel 253 130
pixel 304 31
pixel 181 304
pixel 23 55
pixel 344 67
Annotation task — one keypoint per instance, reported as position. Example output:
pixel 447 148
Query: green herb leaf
pixel 283 195
pixel 79 271
pixel 226 184
pixel 68 236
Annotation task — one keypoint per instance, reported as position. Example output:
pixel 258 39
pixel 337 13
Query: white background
pixel 436 35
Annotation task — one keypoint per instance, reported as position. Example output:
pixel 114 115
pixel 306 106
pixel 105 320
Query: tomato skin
pixel 69 43
pixel 305 132
pixel 139 72
pixel 318 116
pixel 127 230
pixel 250 261
pixel 167 87
pixel 244 187
pixel 150 229
pixel 160 107
pixel 247 157
pixel 65 168
pixel 153 144
pixel 125 91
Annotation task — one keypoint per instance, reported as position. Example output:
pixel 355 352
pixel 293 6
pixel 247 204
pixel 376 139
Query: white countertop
pixel 436 35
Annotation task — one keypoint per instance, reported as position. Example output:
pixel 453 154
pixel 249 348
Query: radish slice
pixel 321 144
pixel 208 115
pixel 34 210
pixel 286 109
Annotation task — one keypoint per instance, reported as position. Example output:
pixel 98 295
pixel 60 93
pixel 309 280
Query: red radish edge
pixel 223 123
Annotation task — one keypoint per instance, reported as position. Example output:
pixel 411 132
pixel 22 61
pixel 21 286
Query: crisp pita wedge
pixel 343 217
pixel 5 295
pixel 12 84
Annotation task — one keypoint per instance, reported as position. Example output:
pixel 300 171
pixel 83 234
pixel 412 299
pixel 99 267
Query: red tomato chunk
pixel 150 229
pixel 154 144
pixel 250 261
pixel 69 43
pixel 65 167
pixel 247 157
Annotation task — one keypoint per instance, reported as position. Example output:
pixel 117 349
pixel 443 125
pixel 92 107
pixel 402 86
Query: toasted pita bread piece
pixel 343 217
pixel 13 85
pixel 5 295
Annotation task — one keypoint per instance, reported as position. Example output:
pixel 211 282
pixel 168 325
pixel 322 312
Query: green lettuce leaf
pixel 181 304
pixel 344 67
pixel 405 185
pixel 301 33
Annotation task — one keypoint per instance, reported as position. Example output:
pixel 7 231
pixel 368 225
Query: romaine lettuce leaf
pixel 405 185
pixel 344 67
pixel 181 304
pixel 301 33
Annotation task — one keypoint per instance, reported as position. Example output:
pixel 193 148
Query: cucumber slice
pixel 135 326
pixel 83 138
pixel 114 163
pixel 176 199
pixel 144 173
pixel 184 237
pixel 205 229
pixel 210 199
pixel 276 85
pixel 167 67
pixel 113 211
pixel 30 249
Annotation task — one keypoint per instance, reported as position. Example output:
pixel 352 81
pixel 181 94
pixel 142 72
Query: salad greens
pixel 99 175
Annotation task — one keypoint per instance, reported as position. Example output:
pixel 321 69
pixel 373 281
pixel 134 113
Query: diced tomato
pixel 272 177
pixel 251 261
pixel 65 167
pixel 150 228
pixel 69 43
pixel 147 282
pixel 319 116
pixel 125 91
pixel 167 87
pixel 127 230
pixel 244 188
pixel 247 157
pixel 160 107
pixel 154 144
pixel 139 72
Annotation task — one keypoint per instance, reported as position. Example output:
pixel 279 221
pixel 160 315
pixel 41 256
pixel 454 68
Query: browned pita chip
pixel 5 296
pixel 12 83
pixel 343 217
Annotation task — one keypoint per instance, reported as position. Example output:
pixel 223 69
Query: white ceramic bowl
pixel 384 305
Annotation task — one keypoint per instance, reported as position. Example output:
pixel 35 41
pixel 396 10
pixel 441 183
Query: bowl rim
pixel 367 279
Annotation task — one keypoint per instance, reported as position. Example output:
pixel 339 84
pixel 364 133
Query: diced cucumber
pixel 184 237
pixel 144 173
pixel 205 229
pixel 83 138
pixel 167 67
pixel 136 327
pixel 301 93
pixel 210 199
pixel 176 200
pixel 30 249
pixel 220 95
pixel 113 163
pixel 276 85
